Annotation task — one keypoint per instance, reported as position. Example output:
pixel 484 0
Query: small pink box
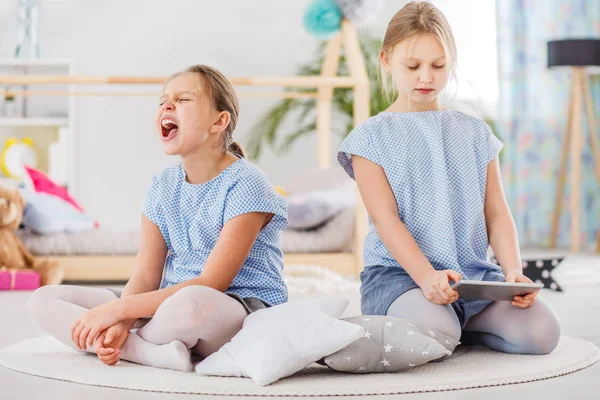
pixel 17 279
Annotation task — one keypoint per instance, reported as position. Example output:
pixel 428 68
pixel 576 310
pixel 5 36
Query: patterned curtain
pixel 533 115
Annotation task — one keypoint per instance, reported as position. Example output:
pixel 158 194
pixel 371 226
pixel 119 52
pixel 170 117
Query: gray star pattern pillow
pixel 389 345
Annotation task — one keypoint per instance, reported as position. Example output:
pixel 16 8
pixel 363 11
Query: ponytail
pixel 236 149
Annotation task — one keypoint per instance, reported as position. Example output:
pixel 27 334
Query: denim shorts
pixel 381 286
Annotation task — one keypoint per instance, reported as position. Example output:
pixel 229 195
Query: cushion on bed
pixel 95 242
pixel 43 184
pixel 47 214
pixel 312 209
pixel 335 236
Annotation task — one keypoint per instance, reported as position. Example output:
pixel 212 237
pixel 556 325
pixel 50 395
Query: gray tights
pixel 196 317
pixel 500 326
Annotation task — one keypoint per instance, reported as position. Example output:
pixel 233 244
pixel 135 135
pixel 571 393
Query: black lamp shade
pixel 574 52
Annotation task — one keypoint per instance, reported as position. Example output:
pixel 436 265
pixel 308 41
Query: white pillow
pixel 279 341
pixel 47 214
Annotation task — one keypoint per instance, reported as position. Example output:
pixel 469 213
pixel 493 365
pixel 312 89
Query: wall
pixel 117 147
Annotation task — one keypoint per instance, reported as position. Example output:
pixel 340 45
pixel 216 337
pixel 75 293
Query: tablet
pixel 499 291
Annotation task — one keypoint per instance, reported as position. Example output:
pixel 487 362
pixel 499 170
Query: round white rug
pixel 469 367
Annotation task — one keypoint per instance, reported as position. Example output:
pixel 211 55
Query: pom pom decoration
pixel 323 19
pixel 360 11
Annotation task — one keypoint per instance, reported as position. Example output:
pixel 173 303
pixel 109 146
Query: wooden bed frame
pixel 119 268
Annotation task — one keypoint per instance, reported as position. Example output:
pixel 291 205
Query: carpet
pixel 468 367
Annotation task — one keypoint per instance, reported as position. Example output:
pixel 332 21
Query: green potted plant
pixel 272 128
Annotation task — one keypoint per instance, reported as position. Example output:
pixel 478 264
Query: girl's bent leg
pixel 414 306
pixel 55 308
pixel 506 328
pixel 201 317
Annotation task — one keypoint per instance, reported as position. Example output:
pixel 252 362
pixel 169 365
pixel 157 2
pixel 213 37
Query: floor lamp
pixel 576 54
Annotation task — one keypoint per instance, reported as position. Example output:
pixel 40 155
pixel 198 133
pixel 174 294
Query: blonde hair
pixel 414 19
pixel 222 97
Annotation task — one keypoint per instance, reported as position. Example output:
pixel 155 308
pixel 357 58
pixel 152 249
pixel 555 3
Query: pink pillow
pixel 42 183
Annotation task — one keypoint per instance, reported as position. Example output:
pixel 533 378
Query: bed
pixel 105 255
pixel 102 255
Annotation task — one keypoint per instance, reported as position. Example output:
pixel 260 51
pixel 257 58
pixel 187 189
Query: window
pixel 473 23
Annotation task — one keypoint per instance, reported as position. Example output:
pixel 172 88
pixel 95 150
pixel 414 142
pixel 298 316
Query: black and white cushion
pixel 539 270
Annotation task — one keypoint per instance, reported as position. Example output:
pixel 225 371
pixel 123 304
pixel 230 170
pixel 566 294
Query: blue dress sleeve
pixel 254 193
pixel 150 206
pixel 493 144
pixel 362 142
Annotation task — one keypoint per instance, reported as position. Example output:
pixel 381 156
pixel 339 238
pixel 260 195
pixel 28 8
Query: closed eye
pixel 180 100
pixel 413 68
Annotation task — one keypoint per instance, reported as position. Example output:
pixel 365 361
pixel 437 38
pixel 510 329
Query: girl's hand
pixel 117 334
pixel 109 342
pixel 107 355
pixel 436 287
pixel 92 322
pixel 521 301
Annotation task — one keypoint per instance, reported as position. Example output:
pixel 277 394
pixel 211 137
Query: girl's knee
pixel 453 330
pixel 413 306
pixel 194 293
pixel 444 320
pixel 193 301
pixel 542 335
pixel 42 303
pixel 42 298
pixel 198 312
pixel 548 335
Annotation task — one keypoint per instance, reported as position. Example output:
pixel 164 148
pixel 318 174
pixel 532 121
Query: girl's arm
pixel 381 205
pixel 226 259
pixel 146 276
pixel 502 232
pixel 149 263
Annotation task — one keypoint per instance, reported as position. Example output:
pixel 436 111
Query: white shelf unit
pixel 34 121
pixel 37 62
pixel 61 153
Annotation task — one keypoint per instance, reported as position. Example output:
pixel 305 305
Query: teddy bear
pixel 13 254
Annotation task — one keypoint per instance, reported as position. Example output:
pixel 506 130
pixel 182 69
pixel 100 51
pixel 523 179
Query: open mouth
pixel 169 128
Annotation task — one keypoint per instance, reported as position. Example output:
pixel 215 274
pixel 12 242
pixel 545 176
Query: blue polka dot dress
pixel 190 218
pixel 436 164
